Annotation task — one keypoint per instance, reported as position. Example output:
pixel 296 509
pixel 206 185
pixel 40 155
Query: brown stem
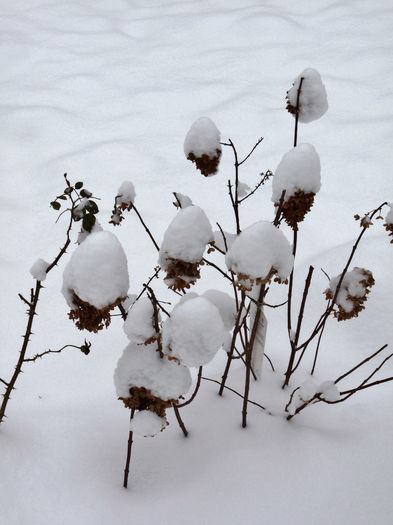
pixel 249 350
pixel 235 392
pixel 316 350
pixel 361 363
pixel 38 356
pixel 297 112
pixel 180 421
pixel 209 263
pixel 129 449
pixel 146 228
pixel 198 384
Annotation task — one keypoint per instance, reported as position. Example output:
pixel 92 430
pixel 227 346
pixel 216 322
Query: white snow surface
pixel 313 97
pixel 105 92
pixel 186 236
pixel 259 248
pixel 38 270
pixel 141 366
pixel 202 138
pixel 97 271
pixel 138 326
pixel 147 424
pixel 194 332
pixel 126 193
pixel 351 286
pixel 299 170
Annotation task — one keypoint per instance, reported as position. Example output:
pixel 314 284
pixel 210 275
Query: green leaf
pixel 88 222
pixel 55 205
pixel 78 185
pixel 92 207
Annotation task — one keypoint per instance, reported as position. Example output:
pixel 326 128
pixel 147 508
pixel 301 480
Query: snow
pixel 313 98
pixel 138 326
pixel 105 91
pixel 141 366
pixel 184 200
pixel 225 305
pixel 83 233
pixel 194 332
pixel 147 424
pixel 329 391
pixel 389 215
pixel 186 236
pixel 38 270
pixel 242 189
pixel 258 249
pixel 126 193
pixel 97 271
pixel 299 170
pixel 203 138
pixel 219 240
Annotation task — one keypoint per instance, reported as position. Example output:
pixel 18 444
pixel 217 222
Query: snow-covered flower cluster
pixel 311 103
pixel 309 390
pixel 38 270
pixel 139 325
pixel 299 175
pixel 123 202
pixel 389 222
pixel 202 146
pixel 352 294
pixel 95 280
pixel 182 248
pixel 258 253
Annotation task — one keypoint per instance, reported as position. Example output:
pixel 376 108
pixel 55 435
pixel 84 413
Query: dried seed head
pixel 142 399
pixel 246 283
pixel 296 207
pixel 206 164
pixel 181 274
pixel 88 317
pixel 352 295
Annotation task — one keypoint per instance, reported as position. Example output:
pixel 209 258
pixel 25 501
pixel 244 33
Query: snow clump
pixel 389 221
pixel 38 270
pixel 147 424
pixel 95 280
pixel 259 252
pixel 242 189
pixel 138 326
pixel 226 306
pixel 126 194
pixel 202 146
pixel 353 293
pixel 299 175
pixel 313 98
pixel 83 234
pixel 146 382
pixel 194 332
pixel 183 245
pixel 329 391
pixel 219 240
pixel 182 201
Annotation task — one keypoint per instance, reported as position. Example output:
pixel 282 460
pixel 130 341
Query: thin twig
pixel 129 449
pixel 251 152
pixel 39 356
pixel 146 228
pixel 198 384
pixel 235 392
pixel 209 263
pixel 180 421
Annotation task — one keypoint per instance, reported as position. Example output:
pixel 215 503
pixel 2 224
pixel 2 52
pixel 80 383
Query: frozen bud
pixel 352 293
pixel 194 332
pixel 299 175
pixel 312 98
pixel 38 270
pixel 95 280
pixel 183 246
pixel 258 253
pixel 202 146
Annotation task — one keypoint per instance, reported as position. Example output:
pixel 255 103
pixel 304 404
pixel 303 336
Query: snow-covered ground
pixel 106 91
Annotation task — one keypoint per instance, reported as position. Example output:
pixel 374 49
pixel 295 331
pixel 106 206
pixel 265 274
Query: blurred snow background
pixel 106 91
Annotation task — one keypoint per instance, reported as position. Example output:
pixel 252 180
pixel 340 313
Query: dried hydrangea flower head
pixel 123 202
pixel 299 175
pixel 139 325
pixel 260 252
pixel 144 381
pixel 95 280
pixel 182 248
pixel 352 294
pixel 202 146
pixel 312 98
pixel 389 222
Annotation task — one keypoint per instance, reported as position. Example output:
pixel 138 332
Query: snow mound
pixel 258 249
pixel 97 271
pixel 186 237
pixel 329 391
pixel 203 138
pixel 38 270
pixel 141 366
pixel 126 194
pixel 183 201
pixel 147 424
pixel 138 326
pixel 219 240
pixel 226 306
pixel 298 170
pixel 313 98
pixel 194 332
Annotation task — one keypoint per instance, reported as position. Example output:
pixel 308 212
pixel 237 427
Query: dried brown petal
pixel 205 164
pixel 88 317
